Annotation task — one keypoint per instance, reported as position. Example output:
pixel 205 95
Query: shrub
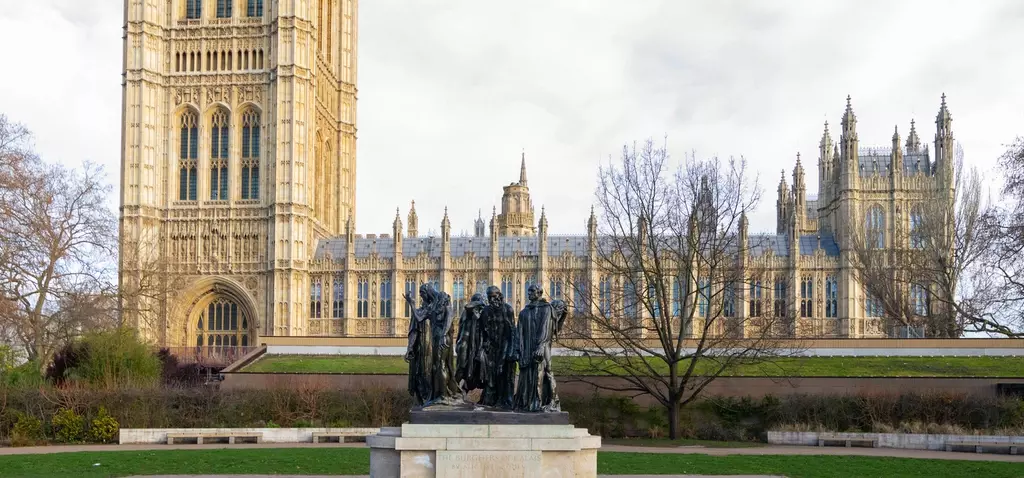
pixel 118 358
pixel 104 427
pixel 25 375
pixel 68 426
pixel 27 431
pixel 68 359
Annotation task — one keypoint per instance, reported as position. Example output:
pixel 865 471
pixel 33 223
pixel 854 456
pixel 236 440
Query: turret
pixel 592 225
pixel 543 225
pixel 850 155
pixel 944 143
pixel 825 161
pixel 478 225
pixel 896 156
pixel 782 205
pixel 413 221
pixel 743 232
pixel 396 226
pixel 913 141
pixel 522 171
pixel 799 197
pixel 494 225
pixel 446 227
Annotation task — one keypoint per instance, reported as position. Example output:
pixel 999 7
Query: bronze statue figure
pixel 539 323
pixel 469 349
pixel 430 355
pixel 501 345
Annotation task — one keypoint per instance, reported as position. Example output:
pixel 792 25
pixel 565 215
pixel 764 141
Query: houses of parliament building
pixel 238 186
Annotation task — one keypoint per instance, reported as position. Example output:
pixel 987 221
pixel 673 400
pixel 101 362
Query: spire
pixel 825 146
pixel 782 184
pixel 798 174
pixel 413 221
pixel 543 220
pixel 522 171
pixel 849 119
pixel 446 226
pixel 896 157
pixel 896 136
pixel 913 141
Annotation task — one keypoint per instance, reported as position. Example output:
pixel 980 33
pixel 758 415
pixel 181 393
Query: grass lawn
pixel 355 461
pixel 794 367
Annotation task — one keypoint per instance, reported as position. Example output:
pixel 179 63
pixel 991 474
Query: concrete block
pixel 476 464
pixel 415 464
pixel 403 443
pixel 445 431
pixel 555 444
pixel 490 444
pixel 532 431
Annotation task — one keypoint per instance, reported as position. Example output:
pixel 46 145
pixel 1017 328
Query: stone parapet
pixel 479 450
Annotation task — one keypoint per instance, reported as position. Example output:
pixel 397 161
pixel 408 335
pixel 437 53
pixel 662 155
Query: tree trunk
pixel 673 420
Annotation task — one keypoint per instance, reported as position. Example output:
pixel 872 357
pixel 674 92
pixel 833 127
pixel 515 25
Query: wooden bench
pixel 208 437
pixel 847 441
pixel 341 433
pixel 978 445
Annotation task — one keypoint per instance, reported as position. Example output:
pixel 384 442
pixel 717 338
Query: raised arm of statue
pixel 559 311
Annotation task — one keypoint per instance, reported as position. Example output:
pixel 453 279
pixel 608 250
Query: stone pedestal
pixel 483 451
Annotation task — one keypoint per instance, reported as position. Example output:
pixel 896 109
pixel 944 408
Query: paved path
pixel 764 450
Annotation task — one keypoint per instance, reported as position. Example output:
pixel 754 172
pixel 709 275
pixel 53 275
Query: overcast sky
pixel 451 92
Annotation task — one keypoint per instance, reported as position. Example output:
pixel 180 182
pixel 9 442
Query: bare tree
pixel 667 316
pixel 56 242
pixel 920 278
pixel 146 286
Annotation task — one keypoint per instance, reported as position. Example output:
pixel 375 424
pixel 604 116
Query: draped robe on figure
pixel 501 341
pixel 539 323
pixel 471 361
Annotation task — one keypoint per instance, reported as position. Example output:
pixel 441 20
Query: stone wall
pixel 270 435
pixel 911 441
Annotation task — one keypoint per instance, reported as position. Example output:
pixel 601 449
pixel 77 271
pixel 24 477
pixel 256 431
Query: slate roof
pixel 872 160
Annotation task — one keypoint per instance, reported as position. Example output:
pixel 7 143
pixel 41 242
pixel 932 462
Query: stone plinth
pixel 483 450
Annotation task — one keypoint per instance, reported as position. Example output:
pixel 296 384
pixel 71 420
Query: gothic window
pixel 435 283
pixel 630 299
pixel 703 296
pixel 831 297
pixel 250 155
pixel 780 297
pixel 507 288
pixel 916 234
pixel 458 294
pixel 872 306
pixel 224 8
pixel 806 297
pixel 363 298
pixel 410 290
pixel 254 8
pixel 481 288
pixel 556 289
pixel 579 296
pixel 316 298
pixel 729 300
pixel 222 325
pixel 187 181
pixel 338 304
pixel 875 228
pixel 655 301
pixel 756 291
pixel 919 299
pixel 677 297
pixel 385 297
pixel 219 156
pixel 193 9
pixel 605 296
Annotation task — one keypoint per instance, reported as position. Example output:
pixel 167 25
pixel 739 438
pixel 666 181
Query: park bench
pixel 978 445
pixel 822 439
pixel 338 435
pixel 215 437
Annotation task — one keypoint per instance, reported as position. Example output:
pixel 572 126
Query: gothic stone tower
pixel 516 218
pixel 238 155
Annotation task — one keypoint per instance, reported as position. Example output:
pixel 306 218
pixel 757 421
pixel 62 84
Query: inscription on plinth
pixel 488 464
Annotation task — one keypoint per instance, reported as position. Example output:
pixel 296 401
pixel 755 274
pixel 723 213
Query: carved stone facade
pixel 238 156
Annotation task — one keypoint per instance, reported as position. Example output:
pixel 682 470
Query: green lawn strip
pixel 667 443
pixel 794 367
pixel 355 461
pixel 793 466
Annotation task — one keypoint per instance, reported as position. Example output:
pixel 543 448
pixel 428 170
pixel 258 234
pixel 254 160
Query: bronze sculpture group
pixel 508 360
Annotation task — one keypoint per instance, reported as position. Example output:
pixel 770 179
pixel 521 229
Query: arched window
pixel 219 156
pixel 872 306
pixel 677 297
pixel 756 292
pixel 458 295
pixel 363 298
pixel 224 8
pixel 385 298
pixel 703 296
pixel 916 229
pixel 254 8
pixel 831 297
pixel 781 292
pixel 481 288
pixel 316 298
pixel 806 297
pixel 222 324
pixel 250 155
pixel 629 298
pixel 654 300
pixel 338 303
pixel 579 297
pixel 410 290
pixel 507 288
pixel 919 299
pixel 187 164
pixel 729 300
pixel 555 289
pixel 605 292
pixel 875 228
pixel 193 9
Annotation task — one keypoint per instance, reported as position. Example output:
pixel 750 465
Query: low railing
pixel 209 356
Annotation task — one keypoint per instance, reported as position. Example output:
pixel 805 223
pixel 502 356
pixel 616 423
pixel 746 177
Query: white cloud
pixel 452 91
